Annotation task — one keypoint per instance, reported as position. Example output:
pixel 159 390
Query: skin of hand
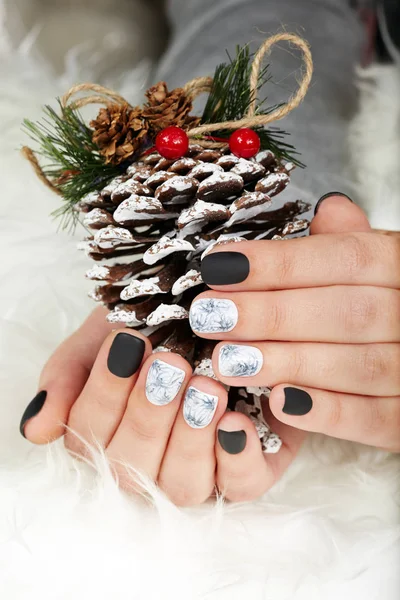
pixel 106 385
pixel 318 320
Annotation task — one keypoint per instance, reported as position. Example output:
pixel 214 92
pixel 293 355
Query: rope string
pixel 252 120
pixel 31 157
pixel 104 96
pixel 195 87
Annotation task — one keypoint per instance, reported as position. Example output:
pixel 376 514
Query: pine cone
pixel 168 108
pixel 119 131
pixel 153 224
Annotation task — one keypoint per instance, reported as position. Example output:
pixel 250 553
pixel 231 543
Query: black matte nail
pixel 328 195
pixel 225 268
pixel 232 442
pixel 33 408
pixel 126 354
pixel 297 402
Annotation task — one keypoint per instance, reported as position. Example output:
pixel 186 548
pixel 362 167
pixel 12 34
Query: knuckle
pixel 275 318
pixel 142 429
pixel 395 368
pixel 285 266
pixel 356 255
pixel 393 438
pixel 335 411
pixel 375 422
pixel 374 364
pixel 193 455
pixel 183 495
pixel 298 364
pixel 360 311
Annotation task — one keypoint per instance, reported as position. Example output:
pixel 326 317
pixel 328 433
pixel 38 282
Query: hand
pixel 140 407
pixel 317 319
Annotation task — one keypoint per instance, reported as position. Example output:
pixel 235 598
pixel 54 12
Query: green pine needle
pixel 230 98
pixel 71 159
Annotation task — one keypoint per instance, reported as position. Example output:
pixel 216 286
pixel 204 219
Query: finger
pixel 336 213
pixel 315 261
pixel 99 409
pixel 373 421
pixel 368 369
pixel 188 470
pixel 346 314
pixel 63 379
pixel 141 439
pixel 243 472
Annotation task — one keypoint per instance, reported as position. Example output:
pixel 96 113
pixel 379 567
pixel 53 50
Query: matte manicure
pixel 126 354
pixel 34 407
pixel 328 195
pixel 297 402
pixel 233 442
pixel 225 268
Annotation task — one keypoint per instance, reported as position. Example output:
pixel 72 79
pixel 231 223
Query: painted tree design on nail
pixel 163 382
pixel 211 315
pixel 239 361
pixel 199 408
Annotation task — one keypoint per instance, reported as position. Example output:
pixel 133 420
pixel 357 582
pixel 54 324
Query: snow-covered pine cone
pixel 152 225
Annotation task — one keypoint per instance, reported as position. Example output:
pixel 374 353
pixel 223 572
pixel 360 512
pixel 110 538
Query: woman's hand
pixel 317 319
pixel 83 387
pixel 150 413
pixel 146 410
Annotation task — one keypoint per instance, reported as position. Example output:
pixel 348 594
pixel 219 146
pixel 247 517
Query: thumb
pixel 336 213
pixel 63 379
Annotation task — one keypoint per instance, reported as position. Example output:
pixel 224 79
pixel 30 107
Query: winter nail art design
pixel 212 315
pixel 199 408
pixel 239 361
pixel 163 382
pixel 225 268
pixel 34 407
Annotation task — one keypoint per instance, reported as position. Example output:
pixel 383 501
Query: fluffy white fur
pixel 375 145
pixel 329 528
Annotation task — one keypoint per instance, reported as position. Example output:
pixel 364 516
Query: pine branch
pixel 230 98
pixel 71 159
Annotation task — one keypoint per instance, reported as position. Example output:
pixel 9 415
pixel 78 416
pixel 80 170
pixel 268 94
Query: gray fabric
pixel 203 29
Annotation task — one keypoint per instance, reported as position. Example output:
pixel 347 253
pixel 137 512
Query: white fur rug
pixel 330 528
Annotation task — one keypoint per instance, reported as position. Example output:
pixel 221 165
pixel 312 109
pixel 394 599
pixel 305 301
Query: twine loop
pixel 251 119
pixel 200 85
pixel 195 87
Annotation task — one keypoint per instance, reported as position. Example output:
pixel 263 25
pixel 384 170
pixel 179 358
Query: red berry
pixel 172 142
pixel 244 143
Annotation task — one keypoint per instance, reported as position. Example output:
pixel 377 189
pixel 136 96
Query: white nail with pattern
pixel 213 315
pixel 163 382
pixel 239 360
pixel 199 408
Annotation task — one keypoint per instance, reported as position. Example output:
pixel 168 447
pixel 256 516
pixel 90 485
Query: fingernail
pixel 224 268
pixel 239 361
pixel 211 315
pixel 126 354
pixel 34 407
pixel 199 408
pixel 297 402
pixel 163 382
pixel 328 195
pixel 233 442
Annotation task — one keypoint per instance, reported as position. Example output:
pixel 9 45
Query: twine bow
pixel 195 87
